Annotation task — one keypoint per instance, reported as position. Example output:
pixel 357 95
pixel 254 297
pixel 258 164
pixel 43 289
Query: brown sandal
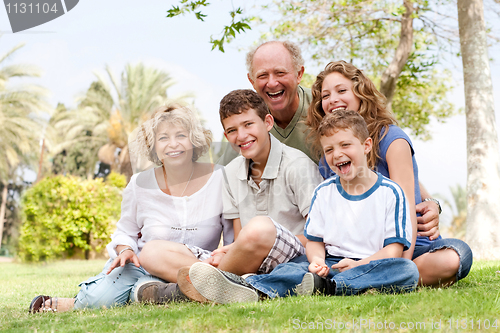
pixel 38 304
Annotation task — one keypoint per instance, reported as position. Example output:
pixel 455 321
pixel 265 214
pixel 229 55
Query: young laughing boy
pixel 267 194
pixel 357 228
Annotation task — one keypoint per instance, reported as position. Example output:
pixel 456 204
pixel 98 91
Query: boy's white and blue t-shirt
pixel 357 226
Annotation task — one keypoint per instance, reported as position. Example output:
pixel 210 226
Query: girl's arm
pixel 400 164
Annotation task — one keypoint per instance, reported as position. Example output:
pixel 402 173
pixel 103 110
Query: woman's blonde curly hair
pixel 177 115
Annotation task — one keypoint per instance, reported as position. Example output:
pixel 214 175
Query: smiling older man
pixel 275 70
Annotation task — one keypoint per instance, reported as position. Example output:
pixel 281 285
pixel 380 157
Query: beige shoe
pixel 187 288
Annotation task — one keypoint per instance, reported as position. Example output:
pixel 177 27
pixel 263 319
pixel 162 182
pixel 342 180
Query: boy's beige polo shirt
pixel 285 191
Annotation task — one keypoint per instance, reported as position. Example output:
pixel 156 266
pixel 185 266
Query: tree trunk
pixel 2 210
pixel 89 243
pixel 40 163
pixel 125 165
pixel 483 158
pixel 391 74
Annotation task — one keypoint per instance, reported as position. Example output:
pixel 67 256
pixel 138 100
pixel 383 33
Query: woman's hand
pixel 124 258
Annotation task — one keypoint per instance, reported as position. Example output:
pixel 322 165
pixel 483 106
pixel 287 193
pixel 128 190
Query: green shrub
pixel 62 214
pixel 116 179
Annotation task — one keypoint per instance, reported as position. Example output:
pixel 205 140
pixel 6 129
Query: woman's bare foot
pixel 58 304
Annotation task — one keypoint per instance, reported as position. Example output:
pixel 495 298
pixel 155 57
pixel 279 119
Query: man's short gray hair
pixel 292 48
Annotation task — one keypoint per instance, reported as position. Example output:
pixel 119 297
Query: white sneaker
pixel 219 286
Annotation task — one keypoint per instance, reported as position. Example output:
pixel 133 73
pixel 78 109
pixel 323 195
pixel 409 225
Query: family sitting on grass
pixel 368 225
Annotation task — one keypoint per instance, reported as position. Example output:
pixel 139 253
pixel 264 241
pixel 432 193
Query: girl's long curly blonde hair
pixel 372 107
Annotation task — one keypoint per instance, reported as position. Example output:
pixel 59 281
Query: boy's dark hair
pixel 241 100
pixel 343 119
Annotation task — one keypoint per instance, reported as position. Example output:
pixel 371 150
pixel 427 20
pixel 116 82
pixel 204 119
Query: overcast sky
pixel 97 33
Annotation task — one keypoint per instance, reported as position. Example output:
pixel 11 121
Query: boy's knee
pixel 259 233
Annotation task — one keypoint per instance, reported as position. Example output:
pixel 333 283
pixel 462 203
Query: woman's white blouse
pixel 149 212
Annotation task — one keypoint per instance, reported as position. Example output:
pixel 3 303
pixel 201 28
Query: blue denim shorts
pixel 110 290
pixel 460 247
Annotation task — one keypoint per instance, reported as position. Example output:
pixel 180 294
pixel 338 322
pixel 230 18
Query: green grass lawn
pixel 473 301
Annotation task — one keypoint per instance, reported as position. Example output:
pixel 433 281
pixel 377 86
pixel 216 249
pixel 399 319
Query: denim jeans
pixel 109 290
pixel 461 248
pixel 387 275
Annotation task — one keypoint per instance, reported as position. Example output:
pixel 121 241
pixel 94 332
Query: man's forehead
pixel 276 68
pixel 273 54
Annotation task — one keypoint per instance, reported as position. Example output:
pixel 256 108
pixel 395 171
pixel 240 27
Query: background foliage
pixel 367 34
pixel 61 214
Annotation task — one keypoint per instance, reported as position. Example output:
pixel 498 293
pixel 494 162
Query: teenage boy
pixel 267 191
pixel 357 228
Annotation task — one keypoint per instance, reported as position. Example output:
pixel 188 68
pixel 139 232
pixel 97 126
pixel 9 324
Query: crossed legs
pixel 443 262
pixel 163 259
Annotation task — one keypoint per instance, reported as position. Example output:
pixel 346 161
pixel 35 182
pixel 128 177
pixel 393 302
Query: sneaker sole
pixel 187 287
pixel 306 287
pixel 214 286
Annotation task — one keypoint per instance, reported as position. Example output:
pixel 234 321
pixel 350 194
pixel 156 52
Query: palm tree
pixel 457 225
pixel 112 108
pixel 20 123
pixel 81 132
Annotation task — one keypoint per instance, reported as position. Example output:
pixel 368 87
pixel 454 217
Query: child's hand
pixel 318 268
pixel 345 264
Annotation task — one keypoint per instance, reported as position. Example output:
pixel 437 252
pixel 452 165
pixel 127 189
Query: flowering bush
pixel 61 214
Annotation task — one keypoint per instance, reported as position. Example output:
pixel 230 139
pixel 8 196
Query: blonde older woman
pixel 171 217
